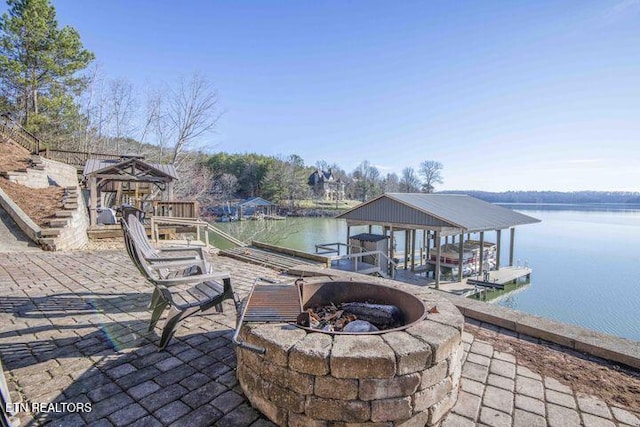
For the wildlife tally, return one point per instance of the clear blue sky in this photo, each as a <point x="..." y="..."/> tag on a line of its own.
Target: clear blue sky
<point x="508" y="95"/>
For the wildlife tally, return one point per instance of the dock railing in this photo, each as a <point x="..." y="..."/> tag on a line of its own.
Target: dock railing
<point x="334" y="248"/>
<point x="370" y="268"/>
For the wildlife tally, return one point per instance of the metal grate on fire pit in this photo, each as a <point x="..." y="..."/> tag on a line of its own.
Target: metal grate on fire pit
<point x="269" y="302"/>
<point x="273" y="303"/>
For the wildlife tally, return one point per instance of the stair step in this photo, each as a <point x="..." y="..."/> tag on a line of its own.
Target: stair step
<point x="47" y="241"/>
<point x="50" y="232"/>
<point x="14" y="174"/>
<point x="64" y="214"/>
<point x="57" y="222"/>
<point x="68" y="205"/>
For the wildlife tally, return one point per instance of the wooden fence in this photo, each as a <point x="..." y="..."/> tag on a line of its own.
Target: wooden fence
<point x="176" y="209"/>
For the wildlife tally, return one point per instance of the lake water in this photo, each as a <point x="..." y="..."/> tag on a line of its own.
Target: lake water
<point x="585" y="260"/>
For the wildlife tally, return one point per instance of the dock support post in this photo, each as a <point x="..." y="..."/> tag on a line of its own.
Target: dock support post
<point x="512" y="239"/>
<point x="480" y="268"/>
<point x="498" y="248"/>
<point x="348" y="240"/>
<point x="438" y="251"/>
<point x="460" y="257"/>
<point x="427" y="256"/>
<point x="406" y="249"/>
<point x="391" y="249"/>
<point x="413" y="250"/>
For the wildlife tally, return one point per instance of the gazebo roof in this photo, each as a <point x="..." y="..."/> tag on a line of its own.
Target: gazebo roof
<point x="255" y="201"/>
<point x="138" y="166"/>
<point x="444" y="212"/>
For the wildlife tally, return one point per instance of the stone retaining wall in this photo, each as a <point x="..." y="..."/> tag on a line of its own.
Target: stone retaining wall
<point x="26" y="224"/>
<point x="60" y="174"/>
<point x="68" y="230"/>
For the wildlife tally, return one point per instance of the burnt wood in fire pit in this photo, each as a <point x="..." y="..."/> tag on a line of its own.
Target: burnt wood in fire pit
<point x="383" y="316"/>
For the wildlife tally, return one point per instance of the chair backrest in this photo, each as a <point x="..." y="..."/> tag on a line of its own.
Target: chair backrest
<point x="139" y="235"/>
<point x="140" y="249"/>
<point x="133" y="250"/>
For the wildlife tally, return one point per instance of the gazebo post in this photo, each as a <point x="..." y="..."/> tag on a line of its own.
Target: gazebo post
<point x="460" y="257"/>
<point x="170" y="191"/>
<point x="438" y="250"/>
<point x="93" y="200"/>
<point x="498" y="236"/>
<point x="348" y="240"/>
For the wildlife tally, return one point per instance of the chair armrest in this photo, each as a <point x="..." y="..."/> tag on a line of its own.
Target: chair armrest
<point x="197" y="250"/>
<point x="177" y="258"/>
<point x="193" y="279"/>
<point x="181" y="249"/>
<point x="179" y="264"/>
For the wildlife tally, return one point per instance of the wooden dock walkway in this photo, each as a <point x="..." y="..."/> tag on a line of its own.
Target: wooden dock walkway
<point x="499" y="278"/>
<point x="266" y="258"/>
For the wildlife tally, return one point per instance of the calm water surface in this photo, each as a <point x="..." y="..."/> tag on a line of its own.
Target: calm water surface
<point x="586" y="261"/>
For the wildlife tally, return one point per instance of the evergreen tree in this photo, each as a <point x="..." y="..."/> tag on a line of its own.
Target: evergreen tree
<point x="39" y="65"/>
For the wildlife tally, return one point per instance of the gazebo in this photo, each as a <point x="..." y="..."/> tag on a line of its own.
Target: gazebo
<point x="254" y="205"/>
<point x="440" y="216"/>
<point x="130" y="178"/>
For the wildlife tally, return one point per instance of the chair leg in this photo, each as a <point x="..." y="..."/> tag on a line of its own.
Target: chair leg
<point x="155" y="298"/>
<point x="173" y="318"/>
<point x="157" y="312"/>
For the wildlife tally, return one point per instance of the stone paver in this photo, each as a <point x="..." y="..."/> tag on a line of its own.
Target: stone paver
<point x="594" y="421"/>
<point x="74" y="329"/>
<point x="593" y="405"/>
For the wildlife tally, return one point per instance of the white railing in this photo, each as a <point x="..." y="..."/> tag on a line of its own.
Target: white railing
<point x="334" y="248"/>
<point x="376" y="267"/>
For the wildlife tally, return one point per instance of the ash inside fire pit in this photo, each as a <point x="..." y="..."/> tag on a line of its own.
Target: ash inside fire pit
<point x="352" y="317"/>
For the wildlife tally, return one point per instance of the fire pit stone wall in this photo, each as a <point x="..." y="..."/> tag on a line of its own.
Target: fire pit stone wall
<point x="404" y="378"/>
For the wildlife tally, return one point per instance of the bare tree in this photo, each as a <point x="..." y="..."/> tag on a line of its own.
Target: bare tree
<point x="225" y="186"/>
<point x="391" y="183"/>
<point x="122" y="105"/>
<point x="410" y="183"/>
<point x="153" y="113"/>
<point x="195" y="178"/>
<point x="192" y="111"/>
<point x="367" y="181"/>
<point x="92" y="106"/>
<point x="431" y="172"/>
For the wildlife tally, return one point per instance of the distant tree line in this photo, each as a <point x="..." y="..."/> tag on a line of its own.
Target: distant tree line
<point x="573" y="197"/>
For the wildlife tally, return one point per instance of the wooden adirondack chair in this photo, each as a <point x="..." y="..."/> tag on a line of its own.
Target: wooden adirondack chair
<point x="185" y="284"/>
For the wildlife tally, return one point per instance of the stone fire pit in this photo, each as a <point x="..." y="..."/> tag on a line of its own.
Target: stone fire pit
<point x="407" y="376"/>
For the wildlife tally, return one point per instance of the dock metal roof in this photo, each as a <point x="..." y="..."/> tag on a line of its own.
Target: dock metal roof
<point x="435" y="212"/>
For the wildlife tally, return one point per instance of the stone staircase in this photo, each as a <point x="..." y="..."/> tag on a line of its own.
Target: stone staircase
<point x="33" y="176"/>
<point x="68" y="228"/>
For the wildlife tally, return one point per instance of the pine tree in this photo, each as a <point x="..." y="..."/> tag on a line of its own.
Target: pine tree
<point x="39" y="65"/>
